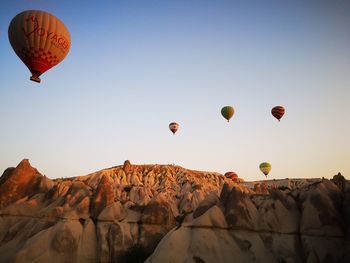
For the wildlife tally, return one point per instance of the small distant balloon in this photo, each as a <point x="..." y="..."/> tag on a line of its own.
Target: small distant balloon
<point x="174" y="127"/>
<point x="278" y="112"/>
<point x="227" y="112"/>
<point x="265" y="168"/>
<point x="232" y="175"/>
<point x="40" y="40"/>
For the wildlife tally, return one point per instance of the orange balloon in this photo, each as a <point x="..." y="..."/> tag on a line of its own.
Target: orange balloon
<point x="40" y="40"/>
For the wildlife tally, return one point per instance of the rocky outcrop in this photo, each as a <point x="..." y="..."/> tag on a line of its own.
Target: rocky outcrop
<point x="171" y="214"/>
<point x="278" y="224"/>
<point x="95" y="218"/>
<point x="21" y="182"/>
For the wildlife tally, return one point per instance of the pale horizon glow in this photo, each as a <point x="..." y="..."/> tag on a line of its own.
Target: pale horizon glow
<point x="136" y="66"/>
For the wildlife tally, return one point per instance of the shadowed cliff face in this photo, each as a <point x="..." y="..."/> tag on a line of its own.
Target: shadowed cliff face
<point x="173" y="215"/>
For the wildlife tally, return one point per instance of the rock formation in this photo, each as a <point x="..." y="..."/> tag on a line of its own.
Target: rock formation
<point x="170" y="214"/>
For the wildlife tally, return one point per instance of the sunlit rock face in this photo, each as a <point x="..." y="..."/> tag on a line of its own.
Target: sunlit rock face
<point x="165" y="213"/>
<point x="281" y="221"/>
<point x="95" y="218"/>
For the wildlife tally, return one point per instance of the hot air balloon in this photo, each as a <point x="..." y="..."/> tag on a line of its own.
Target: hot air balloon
<point x="265" y="168"/>
<point x="227" y="112"/>
<point x="174" y="127"/>
<point x="232" y="175"/>
<point x="40" y="40"/>
<point x="278" y="112"/>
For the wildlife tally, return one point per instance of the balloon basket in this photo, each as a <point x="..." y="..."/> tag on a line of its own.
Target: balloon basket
<point x="35" y="78"/>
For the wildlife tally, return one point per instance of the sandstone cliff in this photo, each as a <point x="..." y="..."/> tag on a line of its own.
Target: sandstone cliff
<point x="170" y="214"/>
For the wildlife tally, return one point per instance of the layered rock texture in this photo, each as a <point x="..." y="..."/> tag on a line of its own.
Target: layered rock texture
<point x="165" y="213"/>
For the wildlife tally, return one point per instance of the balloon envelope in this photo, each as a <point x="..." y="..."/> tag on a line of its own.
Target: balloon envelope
<point x="265" y="168"/>
<point x="174" y="127"/>
<point x="39" y="39"/>
<point x="227" y="112"/>
<point x="278" y="112"/>
<point x="232" y="175"/>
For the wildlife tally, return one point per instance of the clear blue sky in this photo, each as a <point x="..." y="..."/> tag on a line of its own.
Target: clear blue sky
<point x="136" y="66"/>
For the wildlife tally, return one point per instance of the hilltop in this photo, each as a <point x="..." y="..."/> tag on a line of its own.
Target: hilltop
<point x="167" y="213"/>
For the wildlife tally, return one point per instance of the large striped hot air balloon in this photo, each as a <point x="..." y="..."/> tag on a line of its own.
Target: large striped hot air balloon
<point x="40" y="40"/>
<point x="174" y="127"/>
<point x="265" y="168"/>
<point x="278" y="112"/>
<point x="227" y="112"/>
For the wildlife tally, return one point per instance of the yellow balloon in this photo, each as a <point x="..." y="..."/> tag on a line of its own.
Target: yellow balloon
<point x="227" y="112"/>
<point x="39" y="39"/>
<point x="265" y="168"/>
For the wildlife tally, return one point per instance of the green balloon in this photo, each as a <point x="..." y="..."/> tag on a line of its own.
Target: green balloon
<point x="265" y="168"/>
<point x="227" y="112"/>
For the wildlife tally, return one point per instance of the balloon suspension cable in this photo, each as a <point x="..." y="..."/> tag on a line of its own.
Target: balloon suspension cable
<point x="35" y="78"/>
